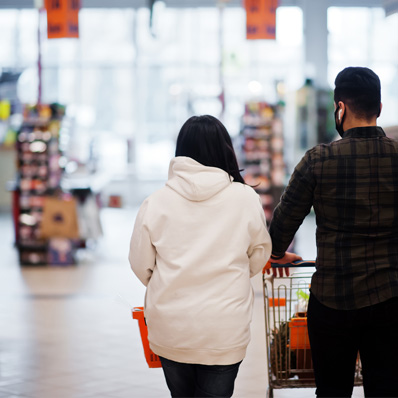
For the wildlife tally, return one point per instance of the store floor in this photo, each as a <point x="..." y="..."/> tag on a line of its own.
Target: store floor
<point x="67" y="332"/>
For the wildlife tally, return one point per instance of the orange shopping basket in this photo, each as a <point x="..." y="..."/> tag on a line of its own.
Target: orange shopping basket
<point x="152" y="359"/>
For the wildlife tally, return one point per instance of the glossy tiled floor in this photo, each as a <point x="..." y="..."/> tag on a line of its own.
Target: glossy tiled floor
<point x="67" y="332"/>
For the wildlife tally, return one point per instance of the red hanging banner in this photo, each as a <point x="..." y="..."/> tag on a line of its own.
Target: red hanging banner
<point x="62" y="18"/>
<point x="261" y="19"/>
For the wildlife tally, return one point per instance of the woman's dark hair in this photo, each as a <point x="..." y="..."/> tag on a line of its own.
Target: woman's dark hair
<point x="206" y="140"/>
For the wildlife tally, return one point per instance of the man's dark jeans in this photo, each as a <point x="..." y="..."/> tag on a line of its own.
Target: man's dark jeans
<point x="337" y="336"/>
<point x="189" y="380"/>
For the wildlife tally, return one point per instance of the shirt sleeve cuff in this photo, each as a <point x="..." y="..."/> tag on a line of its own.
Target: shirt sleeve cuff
<point x="276" y="257"/>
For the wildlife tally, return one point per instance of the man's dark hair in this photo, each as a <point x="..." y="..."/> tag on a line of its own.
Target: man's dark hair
<point x="359" y="87"/>
<point x="206" y="140"/>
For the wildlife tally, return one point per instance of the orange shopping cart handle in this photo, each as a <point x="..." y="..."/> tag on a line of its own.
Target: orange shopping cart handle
<point x="298" y="263"/>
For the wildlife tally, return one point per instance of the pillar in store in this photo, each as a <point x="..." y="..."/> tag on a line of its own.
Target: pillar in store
<point x="221" y="96"/>
<point x="315" y="16"/>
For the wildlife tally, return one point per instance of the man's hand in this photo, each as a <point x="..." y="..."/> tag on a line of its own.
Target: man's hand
<point x="286" y="259"/>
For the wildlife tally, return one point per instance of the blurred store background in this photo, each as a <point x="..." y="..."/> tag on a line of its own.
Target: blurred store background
<point x="89" y="123"/>
<point x="139" y="69"/>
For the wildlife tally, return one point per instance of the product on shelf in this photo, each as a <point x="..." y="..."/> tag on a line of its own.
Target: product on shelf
<point x="39" y="178"/>
<point x="60" y="251"/>
<point x="59" y="218"/>
<point x="262" y="153"/>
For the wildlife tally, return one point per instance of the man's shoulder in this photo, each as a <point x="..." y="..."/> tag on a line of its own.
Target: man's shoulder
<point x="348" y="147"/>
<point x="322" y="151"/>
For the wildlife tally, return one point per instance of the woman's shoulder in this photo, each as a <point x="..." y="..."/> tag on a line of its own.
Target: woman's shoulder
<point x="245" y="191"/>
<point x="154" y="198"/>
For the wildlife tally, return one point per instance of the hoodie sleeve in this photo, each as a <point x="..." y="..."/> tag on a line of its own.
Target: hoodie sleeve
<point x="142" y="255"/>
<point x="260" y="247"/>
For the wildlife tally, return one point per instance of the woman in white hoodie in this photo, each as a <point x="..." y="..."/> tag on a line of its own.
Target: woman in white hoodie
<point x="196" y="243"/>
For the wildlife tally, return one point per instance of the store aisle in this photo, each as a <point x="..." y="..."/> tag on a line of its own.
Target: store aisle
<point x="66" y="332"/>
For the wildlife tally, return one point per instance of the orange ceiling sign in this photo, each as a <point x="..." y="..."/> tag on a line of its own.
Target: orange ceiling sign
<point x="62" y="18"/>
<point x="260" y="19"/>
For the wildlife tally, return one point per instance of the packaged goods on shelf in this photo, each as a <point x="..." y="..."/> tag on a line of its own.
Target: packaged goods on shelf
<point x="60" y="251"/>
<point x="59" y="218"/>
<point x="262" y="152"/>
<point x="39" y="180"/>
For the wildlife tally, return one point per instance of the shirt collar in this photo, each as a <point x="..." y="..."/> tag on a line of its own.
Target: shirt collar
<point x="364" y="132"/>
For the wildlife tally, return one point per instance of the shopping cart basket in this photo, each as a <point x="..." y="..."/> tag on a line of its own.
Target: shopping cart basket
<point x="152" y="359"/>
<point x="288" y="346"/>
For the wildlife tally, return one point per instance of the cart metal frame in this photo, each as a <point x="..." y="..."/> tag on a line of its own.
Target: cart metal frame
<point x="288" y="349"/>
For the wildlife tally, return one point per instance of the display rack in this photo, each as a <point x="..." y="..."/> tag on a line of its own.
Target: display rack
<point x="38" y="175"/>
<point x="261" y="156"/>
<point x="315" y="122"/>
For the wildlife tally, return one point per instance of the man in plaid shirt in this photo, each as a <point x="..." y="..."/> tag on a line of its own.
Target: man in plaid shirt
<point x="352" y="184"/>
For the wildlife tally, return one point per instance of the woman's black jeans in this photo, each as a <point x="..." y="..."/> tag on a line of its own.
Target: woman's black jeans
<point x="191" y="380"/>
<point x="337" y="336"/>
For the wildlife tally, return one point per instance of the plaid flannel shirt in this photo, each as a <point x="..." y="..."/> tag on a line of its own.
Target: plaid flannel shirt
<point x="352" y="184"/>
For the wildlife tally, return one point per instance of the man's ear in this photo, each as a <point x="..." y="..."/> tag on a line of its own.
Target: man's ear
<point x="342" y="110"/>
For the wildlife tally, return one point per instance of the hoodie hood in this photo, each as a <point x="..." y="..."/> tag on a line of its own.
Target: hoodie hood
<point x="194" y="181"/>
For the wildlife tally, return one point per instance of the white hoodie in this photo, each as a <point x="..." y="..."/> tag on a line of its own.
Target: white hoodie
<point x="196" y="243"/>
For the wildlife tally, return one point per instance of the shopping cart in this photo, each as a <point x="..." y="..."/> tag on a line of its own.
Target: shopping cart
<point x="288" y="346"/>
